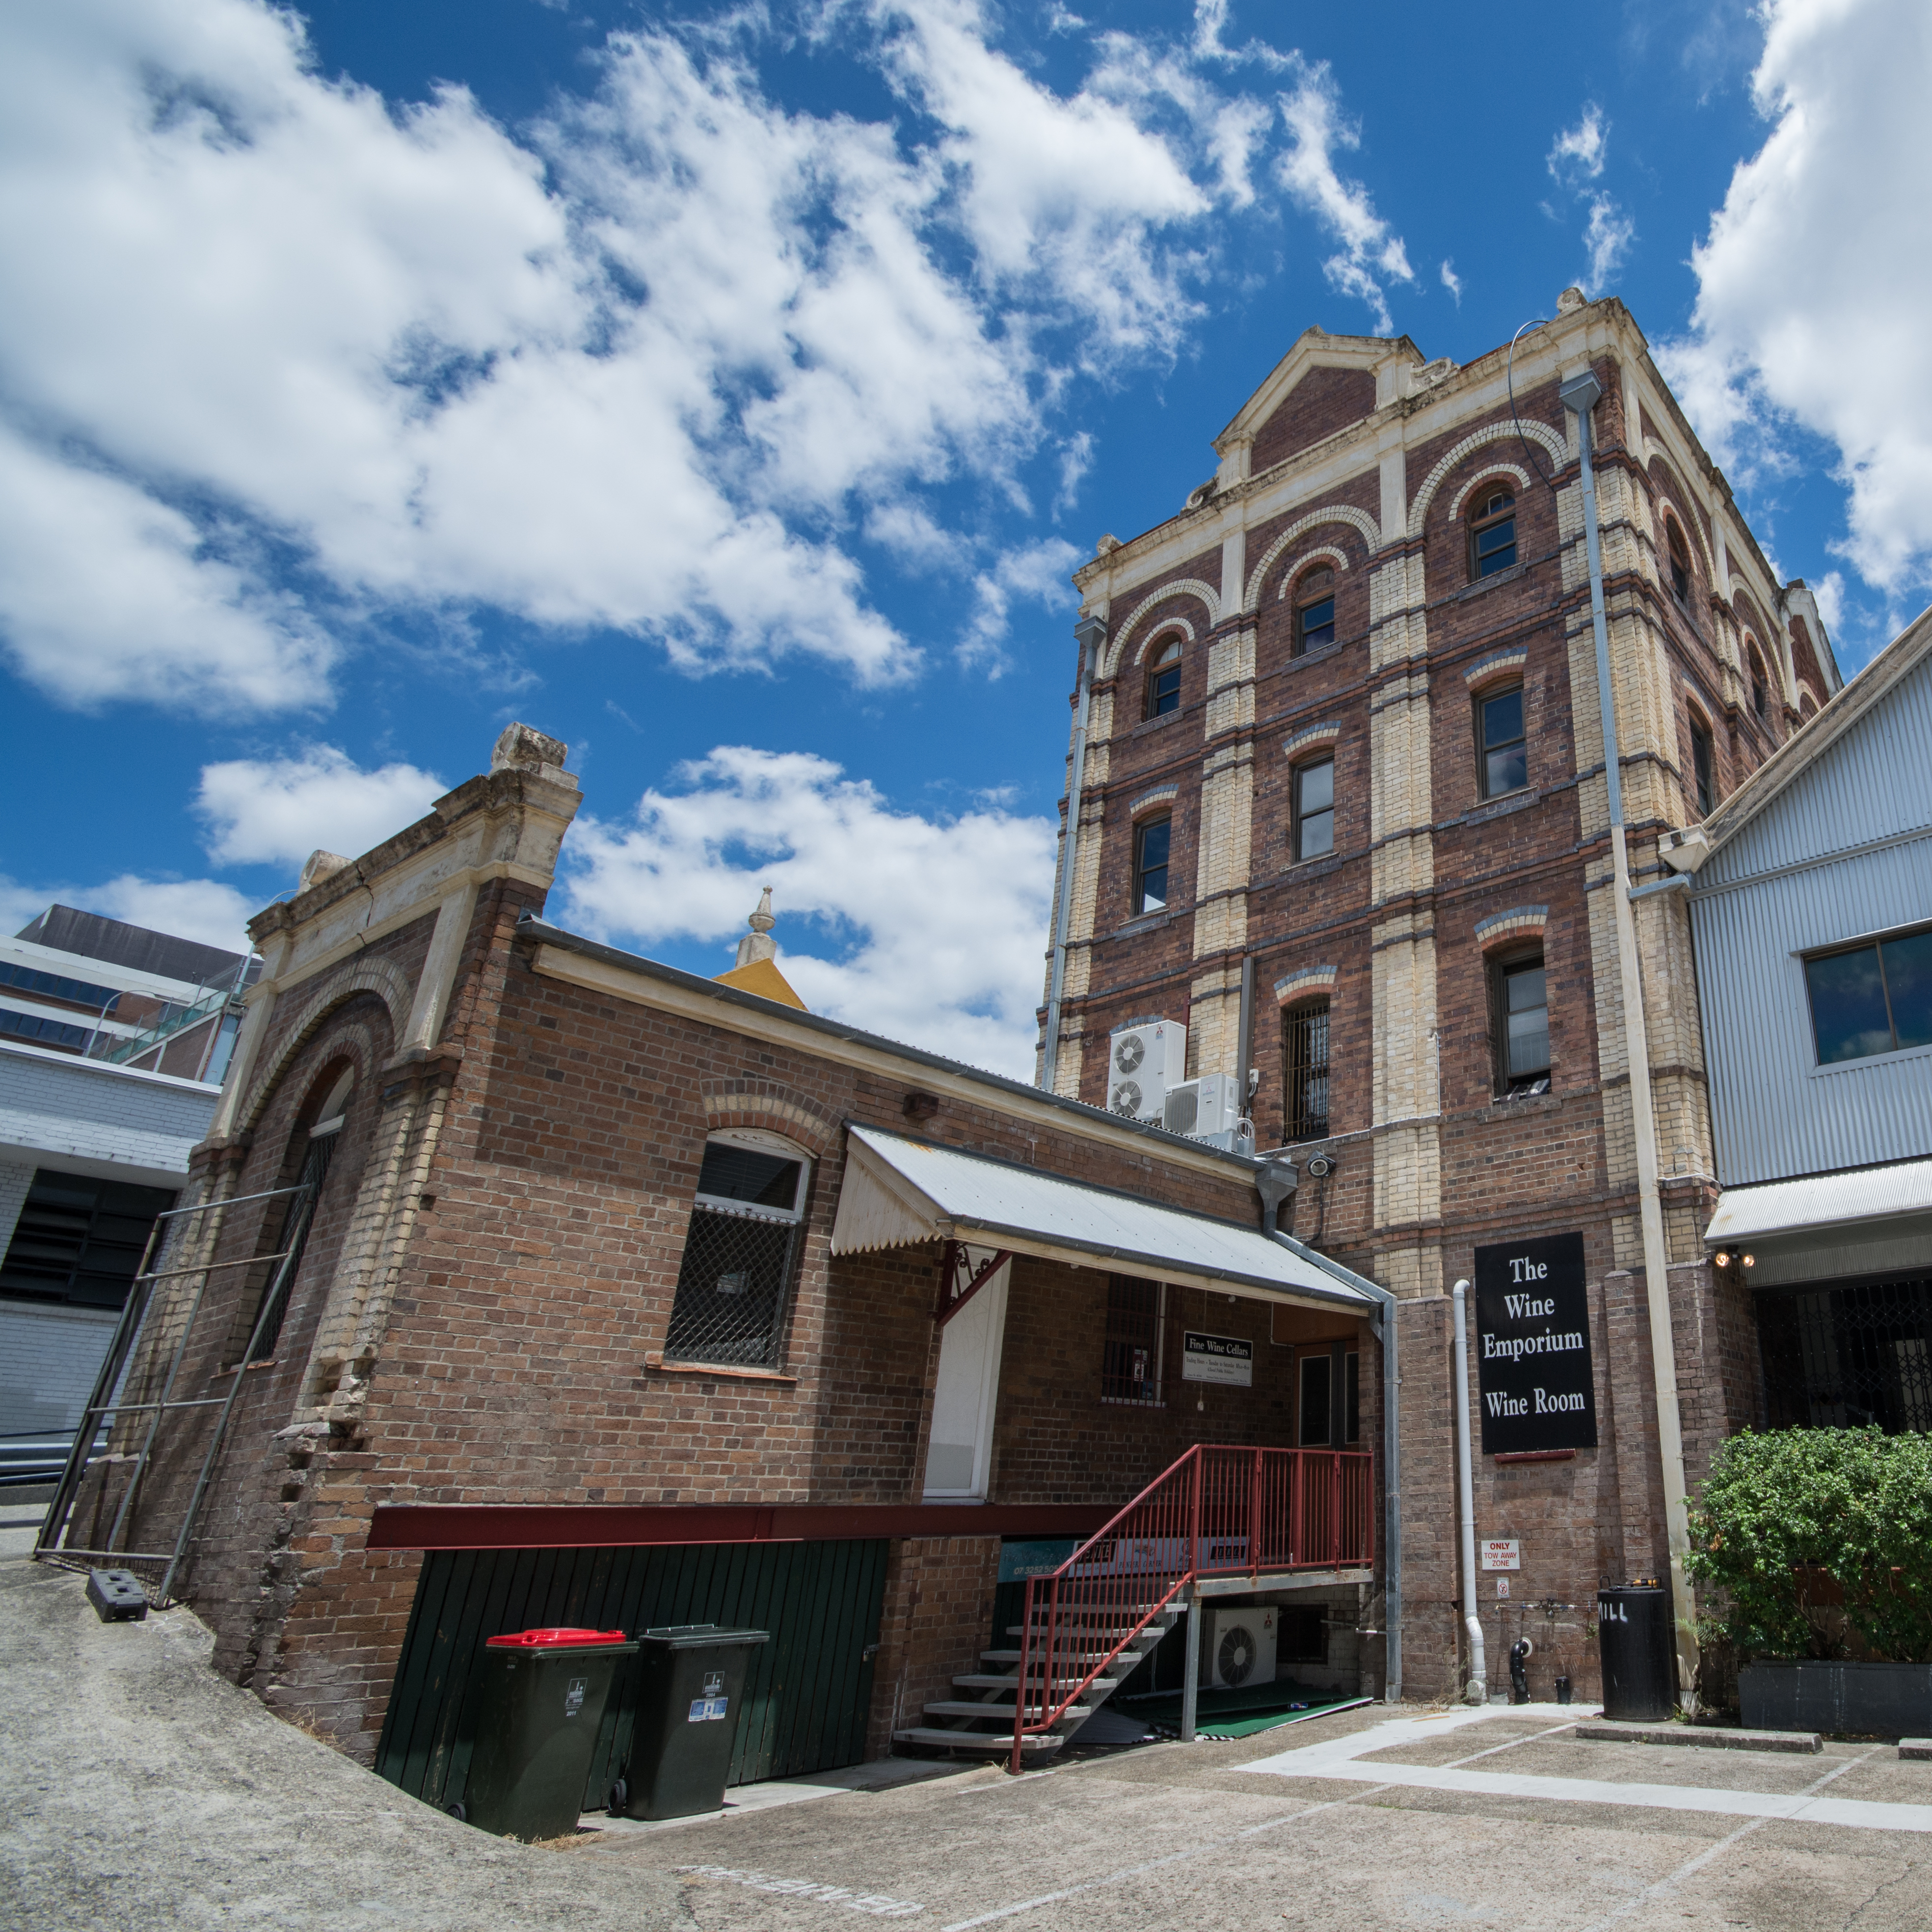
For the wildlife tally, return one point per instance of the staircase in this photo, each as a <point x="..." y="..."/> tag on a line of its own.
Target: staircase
<point x="1221" y="1518"/>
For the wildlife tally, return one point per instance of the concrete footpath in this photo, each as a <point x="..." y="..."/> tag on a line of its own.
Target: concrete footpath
<point x="137" y="1788"/>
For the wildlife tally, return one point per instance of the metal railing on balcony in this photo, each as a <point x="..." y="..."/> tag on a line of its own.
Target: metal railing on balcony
<point x="1218" y="1512"/>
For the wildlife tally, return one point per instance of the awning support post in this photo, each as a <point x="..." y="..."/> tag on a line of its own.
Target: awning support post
<point x="1190" y="1682"/>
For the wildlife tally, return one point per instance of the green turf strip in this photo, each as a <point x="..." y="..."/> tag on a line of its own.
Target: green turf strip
<point x="1239" y="1712"/>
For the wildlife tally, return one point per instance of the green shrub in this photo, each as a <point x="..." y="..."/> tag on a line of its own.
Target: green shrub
<point x="1853" y="1503"/>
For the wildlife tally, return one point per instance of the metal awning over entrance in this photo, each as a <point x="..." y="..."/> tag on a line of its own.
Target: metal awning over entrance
<point x="904" y="1193"/>
<point x="1817" y="1201"/>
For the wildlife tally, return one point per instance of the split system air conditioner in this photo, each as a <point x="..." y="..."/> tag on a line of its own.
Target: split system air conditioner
<point x="1145" y="1060"/>
<point x="1204" y="1108"/>
<point x="1240" y="1645"/>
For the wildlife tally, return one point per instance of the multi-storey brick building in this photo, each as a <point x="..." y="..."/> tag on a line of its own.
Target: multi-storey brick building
<point x="1338" y="737"/>
<point x="534" y="1283"/>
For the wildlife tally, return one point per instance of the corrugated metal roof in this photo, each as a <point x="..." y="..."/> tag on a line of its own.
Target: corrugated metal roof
<point x="900" y="1193"/>
<point x="1822" y="1200"/>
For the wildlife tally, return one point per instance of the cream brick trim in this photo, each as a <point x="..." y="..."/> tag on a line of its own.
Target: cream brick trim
<point x="1160" y="795"/>
<point x="1157" y="631"/>
<point x="1315" y="734"/>
<point x="1536" y="432"/>
<point x="1185" y="587"/>
<point x="1309" y="979"/>
<point x="1521" y="477"/>
<point x="733" y="1103"/>
<point x="1321" y="552"/>
<point x="390" y="985"/>
<point x="1332" y="513"/>
<point x="1496" y="660"/>
<point x="1502" y="926"/>
<point x="1680" y="501"/>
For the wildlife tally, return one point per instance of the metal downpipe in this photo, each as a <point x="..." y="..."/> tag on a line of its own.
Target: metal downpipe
<point x="1476" y="1691"/>
<point x="1092" y="634"/>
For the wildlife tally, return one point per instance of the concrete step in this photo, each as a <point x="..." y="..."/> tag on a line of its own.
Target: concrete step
<point x="989" y="1743"/>
<point x="964" y="1708"/>
<point x="983" y="1680"/>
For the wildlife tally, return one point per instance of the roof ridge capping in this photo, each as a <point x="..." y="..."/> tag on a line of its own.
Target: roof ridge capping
<point x="1851" y="703"/>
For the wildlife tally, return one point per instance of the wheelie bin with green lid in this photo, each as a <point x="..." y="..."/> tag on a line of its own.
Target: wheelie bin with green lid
<point x="540" y="1700"/>
<point x="692" y="1684"/>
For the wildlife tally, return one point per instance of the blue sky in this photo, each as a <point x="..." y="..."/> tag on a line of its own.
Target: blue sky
<point x="729" y="392"/>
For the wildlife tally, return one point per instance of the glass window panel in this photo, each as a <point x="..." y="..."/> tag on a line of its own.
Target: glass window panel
<point x="1317" y="785"/>
<point x="1151" y="892"/>
<point x="1502" y="718"/>
<point x="1495" y="547"/>
<point x="1318" y="624"/>
<point x="1508" y="771"/>
<point x="1525" y="1001"/>
<point x="1848" y="1012"/>
<point x="1908" y="979"/>
<point x="1318" y="835"/>
<point x="1163" y="691"/>
<point x="749" y="1173"/>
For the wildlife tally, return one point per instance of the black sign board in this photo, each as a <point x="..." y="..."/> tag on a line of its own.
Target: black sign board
<point x="1536" y="1390"/>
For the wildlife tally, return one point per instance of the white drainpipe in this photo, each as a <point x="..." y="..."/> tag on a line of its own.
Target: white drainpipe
<point x="1477" y="1690"/>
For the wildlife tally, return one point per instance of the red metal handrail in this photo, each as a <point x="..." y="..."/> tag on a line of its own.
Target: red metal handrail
<point x="1217" y="1512"/>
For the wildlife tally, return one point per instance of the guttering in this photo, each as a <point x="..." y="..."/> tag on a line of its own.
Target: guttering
<point x="1581" y="395"/>
<point x="1382" y="1325"/>
<point x="1477" y="1690"/>
<point x="1092" y="634"/>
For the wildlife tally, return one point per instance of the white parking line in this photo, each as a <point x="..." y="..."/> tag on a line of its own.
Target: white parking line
<point x="876" y="1904"/>
<point x="1337" y="1758"/>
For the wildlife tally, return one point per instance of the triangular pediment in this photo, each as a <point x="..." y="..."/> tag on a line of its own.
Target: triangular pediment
<point x="1316" y="349"/>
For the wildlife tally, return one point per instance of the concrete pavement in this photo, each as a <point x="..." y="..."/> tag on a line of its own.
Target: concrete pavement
<point x="137" y="1787"/>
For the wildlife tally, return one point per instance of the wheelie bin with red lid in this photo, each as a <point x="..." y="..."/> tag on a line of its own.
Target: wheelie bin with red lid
<point x="540" y="1699"/>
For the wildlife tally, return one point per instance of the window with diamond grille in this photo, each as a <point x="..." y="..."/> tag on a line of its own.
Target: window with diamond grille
<point x="1854" y="1355"/>
<point x="734" y="1286"/>
<point x="1130" y="1367"/>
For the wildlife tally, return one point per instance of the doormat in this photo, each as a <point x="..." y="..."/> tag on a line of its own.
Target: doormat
<point x="1240" y="1712"/>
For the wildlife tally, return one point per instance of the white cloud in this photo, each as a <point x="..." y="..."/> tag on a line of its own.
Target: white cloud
<point x="266" y="811"/>
<point x="105" y="591"/>
<point x="631" y="373"/>
<point x="1608" y="237"/>
<point x="1580" y="151"/>
<point x="1076" y="459"/>
<point x="1452" y="282"/>
<point x="1037" y="572"/>
<point x="925" y="930"/>
<point x="1371" y="253"/>
<point x="1815" y="279"/>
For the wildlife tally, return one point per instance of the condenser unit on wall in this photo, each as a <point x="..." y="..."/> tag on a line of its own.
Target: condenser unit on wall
<point x="1144" y="1060"/>
<point x="1240" y="1646"/>
<point x="1203" y="1108"/>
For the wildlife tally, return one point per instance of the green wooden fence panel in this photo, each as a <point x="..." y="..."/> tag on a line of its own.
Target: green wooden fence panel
<point x="807" y="1691"/>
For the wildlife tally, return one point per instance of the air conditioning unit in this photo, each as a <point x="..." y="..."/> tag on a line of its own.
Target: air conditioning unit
<point x="1202" y="1107"/>
<point x="1240" y="1646"/>
<point x="1144" y="1060"/>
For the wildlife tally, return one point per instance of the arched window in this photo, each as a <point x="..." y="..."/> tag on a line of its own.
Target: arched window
<point x="1519" y="1023"/>
<point x="258" y="1324"/>
<point x="1703" y="766"/>
<point x="1759" y="691"/>
<point x="1304" y="1065"/>
<point x="1163" y="681"/>
<point x="1315" y="610"/>
<point x="1492" y="531"/>
<point x="1502" y="743"/>
<point x="741" y="1252"/>
<point x="1679" y="558"/>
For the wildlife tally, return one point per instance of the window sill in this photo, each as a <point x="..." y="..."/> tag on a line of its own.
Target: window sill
<point x="1493" y="581"/>
<point x="1302" y="870"/>
<point x="244" y="1368"/>
<point x="1500" y="807"/>
<point x="1131" y="1402"/>
<point x="1503" y="1109"/>
<point x="1316" y="655"/>
<point x="654" y="1358"/>
<point x="1151" y="921"/>
<point x="1165" y="719"/>
<point x="1830" y="1068"/>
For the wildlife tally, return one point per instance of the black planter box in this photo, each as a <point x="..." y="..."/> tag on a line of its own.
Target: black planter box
<point x="1891" y="1700"/>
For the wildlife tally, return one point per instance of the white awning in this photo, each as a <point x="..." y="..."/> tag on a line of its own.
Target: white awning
<point x="901" y="1193"/>
<point x="1821" y="1201"/>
